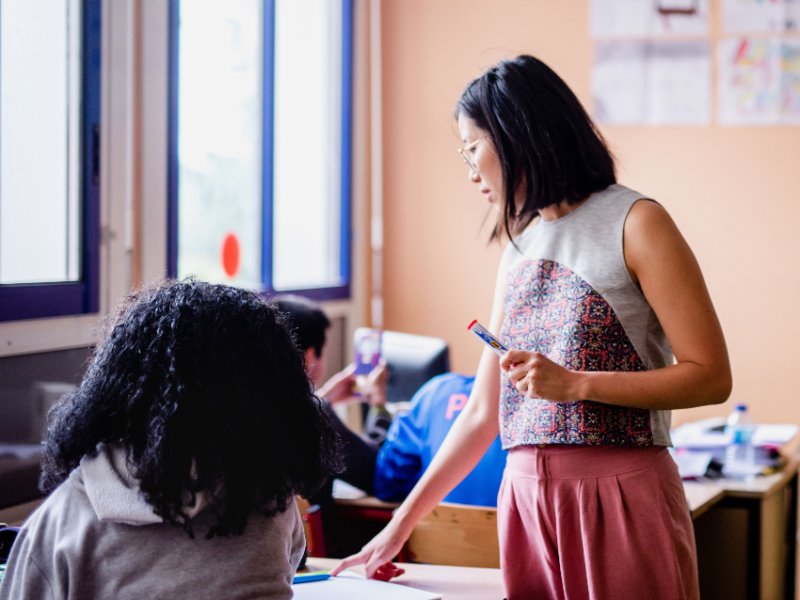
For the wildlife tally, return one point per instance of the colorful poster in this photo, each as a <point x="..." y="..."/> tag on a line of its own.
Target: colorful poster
<point x="743" y="16"/>
<point x="790" y="81"/>
<point x="749" y="86"/>
<point x="642" y="18"/>
<point x="652" y="83"/>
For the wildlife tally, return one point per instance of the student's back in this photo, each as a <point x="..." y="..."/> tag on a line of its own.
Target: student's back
<point x="67" y="551"/>
<point x="415" y="436"/>
<point x="173" y="469"/>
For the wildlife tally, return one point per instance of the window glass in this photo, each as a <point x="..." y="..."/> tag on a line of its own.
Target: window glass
<point x="40" y="108"/>
<point x="219" y="140"/>
<point x="307" y="144"/>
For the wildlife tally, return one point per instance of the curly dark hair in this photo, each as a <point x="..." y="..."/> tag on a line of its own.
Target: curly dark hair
<point x="203" y="387"/>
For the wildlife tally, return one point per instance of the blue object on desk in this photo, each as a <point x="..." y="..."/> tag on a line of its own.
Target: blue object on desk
<point x="315" y="576"/>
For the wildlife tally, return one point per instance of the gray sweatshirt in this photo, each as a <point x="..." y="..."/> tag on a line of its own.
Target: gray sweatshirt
<point x="96" y="537"/>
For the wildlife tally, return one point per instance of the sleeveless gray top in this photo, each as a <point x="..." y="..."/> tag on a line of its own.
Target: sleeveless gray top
<point x="571" y="298"/>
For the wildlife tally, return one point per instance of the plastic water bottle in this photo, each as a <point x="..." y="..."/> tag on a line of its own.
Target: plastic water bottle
<point x="740" y="454"/>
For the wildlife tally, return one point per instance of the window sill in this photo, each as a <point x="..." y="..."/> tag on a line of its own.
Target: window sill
<point x="45" y="335"/>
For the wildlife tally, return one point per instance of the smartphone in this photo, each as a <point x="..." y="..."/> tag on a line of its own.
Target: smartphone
<point x="367" y="344"/>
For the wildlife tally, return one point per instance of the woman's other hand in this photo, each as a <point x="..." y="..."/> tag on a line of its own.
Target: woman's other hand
<point x="373" y="390"/>
<point x="377" y="555"/>
<point x="343" y="387"/>
<point x="537" y="376"/>
<point x="339" y="388"/>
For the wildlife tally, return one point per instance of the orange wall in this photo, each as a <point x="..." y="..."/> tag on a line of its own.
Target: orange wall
<point x="732" y="191"/>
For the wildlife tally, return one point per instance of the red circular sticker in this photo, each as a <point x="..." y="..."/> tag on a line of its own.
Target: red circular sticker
<point x="230" y="255"/>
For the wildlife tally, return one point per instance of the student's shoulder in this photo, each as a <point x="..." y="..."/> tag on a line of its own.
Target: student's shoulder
<point x="441" y="387"/>
<point x="67" y="508"/>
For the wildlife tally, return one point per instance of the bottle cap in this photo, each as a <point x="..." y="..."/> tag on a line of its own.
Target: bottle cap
<point x="741" y="407"/>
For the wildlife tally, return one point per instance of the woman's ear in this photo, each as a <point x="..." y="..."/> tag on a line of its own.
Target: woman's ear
<point x="315" y="366"/>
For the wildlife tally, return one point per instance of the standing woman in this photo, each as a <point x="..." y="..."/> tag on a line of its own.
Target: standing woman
<point x="595" y="298"/>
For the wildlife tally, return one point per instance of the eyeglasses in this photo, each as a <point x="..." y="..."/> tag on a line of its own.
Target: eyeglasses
<point x="464" y="150"/>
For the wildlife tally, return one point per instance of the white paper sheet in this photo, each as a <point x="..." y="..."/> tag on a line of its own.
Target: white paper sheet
<point x="618" y="18"/>
<point x="641" y="18"/>
<point x="619" y="81"/>
<point x="350" y="586"/>
<point x="653" y="82"/>
<point x="691" y="464"/>
<point x="745" y="16"/>
<point x="793" y="15"/>
<point x="707" y="433"/>
<point x="773" y="434"/>
<point x="345" y="491"/>
<point x="700" y="434"/>
<point x="679" y="83"/>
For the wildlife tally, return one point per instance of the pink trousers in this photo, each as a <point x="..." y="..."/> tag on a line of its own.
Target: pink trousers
<point x="598" y="522"/>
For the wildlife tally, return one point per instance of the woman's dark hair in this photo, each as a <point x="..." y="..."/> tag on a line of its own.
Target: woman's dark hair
<point x="543" y="137"/>
<point x="203" y="387"/>
<point x="306" y="320"/>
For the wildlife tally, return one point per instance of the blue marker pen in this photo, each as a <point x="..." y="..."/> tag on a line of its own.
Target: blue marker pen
<point x="313" y="576"/>
<point x="487" y="338"/>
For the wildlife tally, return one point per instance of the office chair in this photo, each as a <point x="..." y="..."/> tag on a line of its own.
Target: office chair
<point x="412" y="360"/>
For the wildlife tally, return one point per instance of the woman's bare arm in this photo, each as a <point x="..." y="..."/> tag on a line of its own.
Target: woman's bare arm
<point x="471" y="435"/>
<point x="662" y="264"/>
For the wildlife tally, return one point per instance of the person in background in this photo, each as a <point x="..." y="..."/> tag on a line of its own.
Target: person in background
<point x="308" y="324"/>
<point x="173" y="470"/>
<point x="415" y="436"/>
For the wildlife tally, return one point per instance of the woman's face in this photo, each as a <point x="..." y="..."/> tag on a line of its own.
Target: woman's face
<point x="488" y="173"/>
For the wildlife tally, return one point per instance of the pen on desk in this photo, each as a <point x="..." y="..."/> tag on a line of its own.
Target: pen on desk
<point x="308" y="577"/>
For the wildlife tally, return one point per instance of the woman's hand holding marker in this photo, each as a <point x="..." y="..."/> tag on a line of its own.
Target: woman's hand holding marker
<point x="534" y="374"/>
<point x="537" y="376"/>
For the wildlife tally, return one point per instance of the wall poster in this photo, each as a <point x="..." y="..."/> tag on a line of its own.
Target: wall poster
<point x="652" y="82"/>
<point x="642" y="18"/>
<point x="759" y="81"/>
<point x="745" y="16"/>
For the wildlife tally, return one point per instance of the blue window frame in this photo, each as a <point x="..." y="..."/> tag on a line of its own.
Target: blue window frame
<point x="268" y="247"/>
<point x="32" y="299"/>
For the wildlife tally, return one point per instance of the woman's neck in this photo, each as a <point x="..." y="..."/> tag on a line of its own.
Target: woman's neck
<point x="557" y="211"/>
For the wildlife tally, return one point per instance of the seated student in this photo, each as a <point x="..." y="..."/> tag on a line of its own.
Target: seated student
<point x="415" y="437"/>
<point x="174" y="468"/>
<point x="308" y="324"/>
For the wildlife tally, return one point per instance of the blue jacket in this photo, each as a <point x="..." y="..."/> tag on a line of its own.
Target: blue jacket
<point x="415" y="436"/>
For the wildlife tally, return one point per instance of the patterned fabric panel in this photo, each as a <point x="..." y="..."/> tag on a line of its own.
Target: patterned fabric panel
<point x="551" y="310"/>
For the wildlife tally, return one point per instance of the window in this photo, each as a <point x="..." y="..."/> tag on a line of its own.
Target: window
<point x="260" y="144"/>
<point x="49" y="135"/>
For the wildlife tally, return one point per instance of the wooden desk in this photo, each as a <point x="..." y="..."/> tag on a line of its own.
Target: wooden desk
<point x="354" y="522"/>
<point x="702" y="496"/>
<point x="368" y="507"/>
<point x="453" y="583"/>
<point x="745" y="533"/>
<point x="746" y="544"/>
